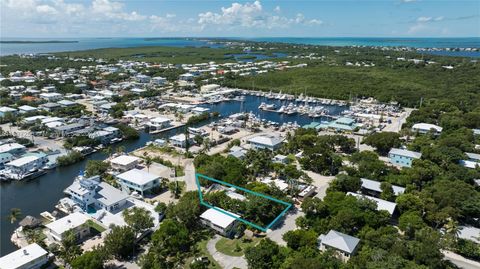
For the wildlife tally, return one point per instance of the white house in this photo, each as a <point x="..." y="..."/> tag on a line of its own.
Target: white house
<point x="159" y="123"/>
<point x="75" y="221"/>
<point x="209" y="87"/>
<point x="344" y="245"/>
<point x="20" y="167"/>
<point x="124" y="163"/>
<point x="138" y="180"/>
<point x="4" y="110"/>
<point x="180" y="140"/>
<point x="12" y="148"/>
<point x="32" y="256"/>
<point x="26" y="109"/>
<point x="423" y="128"/>
<point x="51" y="96"/>
<point x="142" y="78"/>
<point x="90" y="192"/>
<point x="222" y="223"/>
<point x="266" y="141"/>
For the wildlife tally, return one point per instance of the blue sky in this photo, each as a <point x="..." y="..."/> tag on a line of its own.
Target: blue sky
<point x="313" y="18"/>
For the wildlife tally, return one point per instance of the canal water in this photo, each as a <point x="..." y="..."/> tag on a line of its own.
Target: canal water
<point x="41" y="194"/>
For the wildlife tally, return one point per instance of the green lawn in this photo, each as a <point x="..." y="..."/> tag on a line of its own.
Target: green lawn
<point x="234" y="247"/>
<point x="202" y="251"/>
<point x="95" y="226"/>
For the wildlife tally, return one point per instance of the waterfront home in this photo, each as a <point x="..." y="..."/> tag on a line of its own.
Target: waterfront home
<point x="5" y="110"/>
<point x="51" y="96"/>
<point x="5" y="158"/>
<point x="75" y="222"/>
<point x="220" y="222"/>
<point x="26" y="109"/>
<point x="21" y="167"/>
<point x="372" y="187"/>
<point x="180" y="141"/>
<point x="159" y="123"/>
<point x="200" y="110"/>
<point x="69" y="129"/>
<point x="344" y="245"/>
<point x="159" y="81"/>
<point x="91" y="194"/>
<point x="266" y="141"/>
<point x="50" y="106"/>
<point x="106" y="135"/>
<point x="124" y="163"/>
<point x="13" y="148"/>
<point x="138" y="180"/>
<point x="424" y="128"/>
<point x="32" y="256"/>
<point x="403" y="157"/>
<point x="472" y="162"/>
<point x="388" y="206"/>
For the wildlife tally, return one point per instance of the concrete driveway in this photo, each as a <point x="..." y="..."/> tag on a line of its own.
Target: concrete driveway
<point x="225" y="261"/>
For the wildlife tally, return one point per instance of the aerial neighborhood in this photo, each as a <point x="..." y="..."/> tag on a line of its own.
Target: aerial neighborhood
<point x="155" y="164"/>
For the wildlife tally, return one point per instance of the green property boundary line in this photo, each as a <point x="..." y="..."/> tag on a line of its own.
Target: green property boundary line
<point x="264" y="229"/>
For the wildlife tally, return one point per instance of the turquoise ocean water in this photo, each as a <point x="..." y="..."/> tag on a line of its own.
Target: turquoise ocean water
<point x="96" y="43"/>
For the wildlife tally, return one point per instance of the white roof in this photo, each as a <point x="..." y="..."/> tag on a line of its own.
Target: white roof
<point x="179" y="138"/>
<point x="124" y="160"/>
<point x="219" y="218"/>
<point x="7" y="109"/>
<point x="22" y="256"/>
<point x="10" y="146"/>
<point x="375" y="186"/>
<point x="473" y="156"/>
<point x="406" y="153"/>
<point x="22" y="161"/>
<point x="381" y="204"/>
<point x="66" y="223"/>
<point x="27" y="108"/>
<point x="161" y="120"/>
<point x="137" y="176"/>
<point x="268" y="140"/>
<point x="427" y="127"/>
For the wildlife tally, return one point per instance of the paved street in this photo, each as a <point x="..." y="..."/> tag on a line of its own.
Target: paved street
<point x="225" y="261"/>
<point x="287" y="224"/>
<point x="190" y="175"/>
<point x="460" y="261"/>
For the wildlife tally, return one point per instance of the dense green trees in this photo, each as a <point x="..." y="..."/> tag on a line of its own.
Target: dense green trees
<point x="265" y="255"/>
<point x="120" y="242"/>
<point x="139" y="219"/>
<point x="93" y="259"/>
<point x="96" y="167"/>
<point x="383" y="141"/>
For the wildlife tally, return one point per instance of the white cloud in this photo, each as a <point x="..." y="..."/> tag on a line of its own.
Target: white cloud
<point x="251" y="15"/>
<point x="424" y="19"/>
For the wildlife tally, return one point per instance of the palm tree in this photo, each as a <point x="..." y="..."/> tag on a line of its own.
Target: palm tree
<point x="14" y="215"/>
<point x="148" y="162"/>
<point x="120" y="149"/>
<point x="452" y="229"/>
<point x="206" y="145"/>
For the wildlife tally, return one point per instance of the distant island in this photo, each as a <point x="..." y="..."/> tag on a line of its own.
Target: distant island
<point x="37" y="42"/>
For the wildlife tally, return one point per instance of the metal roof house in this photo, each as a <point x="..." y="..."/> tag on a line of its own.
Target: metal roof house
<point x="220" y="222"/>
<point x="390" y="207"/>
<point x="138" y="180"/>
<point x="372" y="187"/>
<point x="344" y="244"/>
<point x="424" y="128"/>
<point x="403" y="157"/>
<point x="266" y="141"/>
<point x="32" y="256"/>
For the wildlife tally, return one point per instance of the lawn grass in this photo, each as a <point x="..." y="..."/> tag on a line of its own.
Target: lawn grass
<point x="95" y="226"/>
<point x="203" y="251"/>
<point x="229" y="246"/>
